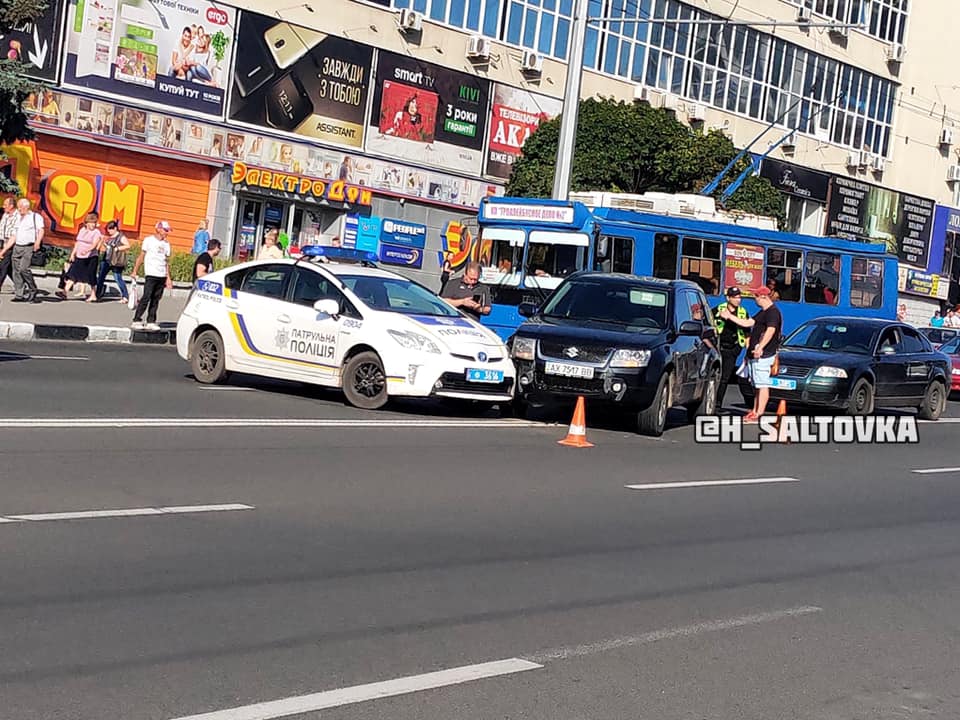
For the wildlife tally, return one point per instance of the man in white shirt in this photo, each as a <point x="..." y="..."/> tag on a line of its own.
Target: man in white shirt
<point x="26" y="238"/>
<point x="8" y="228"/>
<point x="154" y="256"/>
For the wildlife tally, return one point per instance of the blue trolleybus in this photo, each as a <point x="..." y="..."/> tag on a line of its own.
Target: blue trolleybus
<point x="530" y="246"/>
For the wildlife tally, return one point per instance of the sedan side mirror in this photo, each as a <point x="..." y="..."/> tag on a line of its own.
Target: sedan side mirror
<point x="527" y="309"/>
<point x="327" y="306"/>
<point x="888" y="350"/>
<point x="691" y="328"/>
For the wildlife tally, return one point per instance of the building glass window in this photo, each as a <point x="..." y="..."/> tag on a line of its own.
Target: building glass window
<point x="784" y="273"/>
<point x="866" y="283"/>
<point x="700" y="263"/>
<point x="822" y="279"/>
<point x="885" y="19"/>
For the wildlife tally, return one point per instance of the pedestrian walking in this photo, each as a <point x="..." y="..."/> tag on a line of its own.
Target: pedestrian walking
<point x="155" y="258"/>
<point x="200" y="238"/>
<point x="84" y="258"/>
<point x="732" y="338"/>
<point x="204" y="263"/>
<point x="8" y="228"/>
<point x="446" y="270"/>
<point x="116" y="251"/>
<point x="25" y="241"/>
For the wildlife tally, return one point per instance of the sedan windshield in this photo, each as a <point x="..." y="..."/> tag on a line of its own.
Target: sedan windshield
<point x="397" y="295"/>
<point x="833" y="337"/>
<point x="637" y="308"/>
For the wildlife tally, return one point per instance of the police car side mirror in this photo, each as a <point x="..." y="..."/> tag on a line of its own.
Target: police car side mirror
<point x="327" y="306"/>
<point x="527" y="309"/>
<point x="691" y="328"/>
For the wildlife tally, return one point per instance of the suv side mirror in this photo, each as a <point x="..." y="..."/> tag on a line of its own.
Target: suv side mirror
<point x="327" y="306"/>
<point x="691" y="328"/>
<point x="527" y="309"/>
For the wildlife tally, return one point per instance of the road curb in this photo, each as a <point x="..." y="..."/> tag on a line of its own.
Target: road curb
<point x="23" y="332"/>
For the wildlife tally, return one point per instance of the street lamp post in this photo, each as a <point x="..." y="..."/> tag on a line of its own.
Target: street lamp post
<point x="571" y="95"/>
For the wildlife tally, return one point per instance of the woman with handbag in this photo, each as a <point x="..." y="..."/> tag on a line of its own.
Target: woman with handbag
<point x="84" y="258"/>
<point x="116" y="250"/>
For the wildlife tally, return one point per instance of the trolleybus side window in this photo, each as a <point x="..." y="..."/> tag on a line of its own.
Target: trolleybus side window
<point x="700" y="263"/>
<point x="822" y="279"/>
<point x="665" y="256"/>
<point x="785" y="273"/>
<point x="866" y="288"/>
<point x="615" y="254"/>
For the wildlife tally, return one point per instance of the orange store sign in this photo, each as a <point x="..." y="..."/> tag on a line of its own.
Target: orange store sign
<point x="331" y="190"/>
<point x="66" y="196"/>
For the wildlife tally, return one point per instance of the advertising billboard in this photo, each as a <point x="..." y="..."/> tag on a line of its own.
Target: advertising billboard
<point x="515" y="116"/>
<point x="170" y="54"/>
<point x="299" y="81"/>
<point x="428" y="114"/>
<point x="36" y="44"/>
<point x="903" y="222"/>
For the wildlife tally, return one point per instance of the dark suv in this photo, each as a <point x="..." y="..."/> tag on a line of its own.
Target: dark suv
<point x="639" y="343"/>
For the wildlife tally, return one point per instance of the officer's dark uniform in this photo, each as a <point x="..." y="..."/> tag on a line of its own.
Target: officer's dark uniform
<point x="732" y="339"/>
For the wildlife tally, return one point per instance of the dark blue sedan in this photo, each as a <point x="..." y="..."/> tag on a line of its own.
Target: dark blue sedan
<point x="859" y="364"/>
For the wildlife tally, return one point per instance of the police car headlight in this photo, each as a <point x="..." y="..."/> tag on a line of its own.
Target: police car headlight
<point x="830" y="372"/>
<point x="414" y="341"/>
<point x="524" y="348"/>
<point x="630" y="359"/>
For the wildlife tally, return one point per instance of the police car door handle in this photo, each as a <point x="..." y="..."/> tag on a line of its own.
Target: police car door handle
<point x="283" y="318"/>
<point x="233" y="305"/>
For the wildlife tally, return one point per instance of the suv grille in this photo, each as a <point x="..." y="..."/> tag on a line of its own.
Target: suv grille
<point x="577" y="386"/>
<point x="585" y="353"/>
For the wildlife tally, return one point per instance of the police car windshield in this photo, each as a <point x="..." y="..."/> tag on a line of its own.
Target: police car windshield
<point x="637" y="308"/>
<point x="397" y="295"/>
<point x="833" y="337"/>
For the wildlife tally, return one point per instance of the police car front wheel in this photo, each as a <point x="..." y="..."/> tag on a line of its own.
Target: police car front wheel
<point x="207" y="359"/>
<point x="365" y="382"/>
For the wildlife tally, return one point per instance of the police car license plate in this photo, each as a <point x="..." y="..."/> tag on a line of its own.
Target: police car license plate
<point x="484" y="376"/>
<point x="567" y="370"/>
<point x="782" y="384"/>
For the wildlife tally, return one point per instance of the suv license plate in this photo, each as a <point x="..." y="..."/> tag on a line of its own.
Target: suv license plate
<point x="782" y="384"/>
<point x="567" y="370"/>
<point x="484" y="376"/>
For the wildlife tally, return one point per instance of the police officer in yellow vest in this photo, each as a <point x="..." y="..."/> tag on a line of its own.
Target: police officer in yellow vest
<point x="732" y="339"/>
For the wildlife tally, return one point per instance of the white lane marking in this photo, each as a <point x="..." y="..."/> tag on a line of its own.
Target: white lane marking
<point x="565" y="653"/>
<point x="224" y="388"/>
<point x="711" y="483"/>
<point x="373" y="691"/>
<point x="944" y="421"/>
<point x="126" y="512"/>
<point x="22" y="423"/>
<point x="937" y="471"/>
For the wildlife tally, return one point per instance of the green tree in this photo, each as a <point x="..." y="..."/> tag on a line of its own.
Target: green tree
<point x="15" y="86"/>
<point x="633" y="148"/>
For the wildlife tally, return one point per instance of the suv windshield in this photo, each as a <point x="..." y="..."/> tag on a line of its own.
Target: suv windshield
<point x="833" y="337"/>
<point x="638" y="308"/>
<point x="397" y="295"/>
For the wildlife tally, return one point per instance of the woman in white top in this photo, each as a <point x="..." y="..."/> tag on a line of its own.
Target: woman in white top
<point x="271" y="250"/>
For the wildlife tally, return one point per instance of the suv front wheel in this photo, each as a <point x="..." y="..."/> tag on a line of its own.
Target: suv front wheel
<point x="653" y="420"/>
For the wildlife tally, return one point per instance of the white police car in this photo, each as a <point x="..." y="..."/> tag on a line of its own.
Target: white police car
<point x="342" y="323"/>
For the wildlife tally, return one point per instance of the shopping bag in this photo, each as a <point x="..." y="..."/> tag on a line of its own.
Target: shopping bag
<point x="132" y="300"/>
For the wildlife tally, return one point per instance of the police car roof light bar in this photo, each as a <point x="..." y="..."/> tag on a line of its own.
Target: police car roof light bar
<point x="339" y="254"/>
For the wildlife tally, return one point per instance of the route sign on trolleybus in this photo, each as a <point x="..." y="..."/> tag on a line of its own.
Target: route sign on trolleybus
<point x="534" y="244"/>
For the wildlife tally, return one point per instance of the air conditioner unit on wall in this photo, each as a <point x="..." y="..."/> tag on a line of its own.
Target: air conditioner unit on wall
<point x="877" y="163"/>
<point x="478" y="48"/>
<point x="696" y="113"/>
<point x="839" y="31"/>
<point x="410" y="21"/>
<point x="671" y="101"/>
<point x="856" y="159"/>
<point x="896" y="53"/>
<point x="946" y="136"/>
<point x="804" y="14"/>
<point x="532" y="62"/>
<point x="953" y="173"/>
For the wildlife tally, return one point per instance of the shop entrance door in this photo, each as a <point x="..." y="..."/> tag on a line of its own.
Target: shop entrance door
<point x="253" y="220"/>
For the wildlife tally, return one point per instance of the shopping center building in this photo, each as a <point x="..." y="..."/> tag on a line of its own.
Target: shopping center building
<point x="385" y="122"/>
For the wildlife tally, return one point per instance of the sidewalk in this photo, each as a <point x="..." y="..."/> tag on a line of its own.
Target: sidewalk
<point x="74" y="319"/>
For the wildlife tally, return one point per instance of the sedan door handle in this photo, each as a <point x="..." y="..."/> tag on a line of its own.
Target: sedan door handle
<point x="283" y="319"/>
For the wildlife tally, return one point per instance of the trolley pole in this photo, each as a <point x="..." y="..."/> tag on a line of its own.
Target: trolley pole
<point x="571" y="102"/>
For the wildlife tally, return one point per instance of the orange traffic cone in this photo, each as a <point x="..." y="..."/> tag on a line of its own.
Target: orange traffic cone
<point x="781" y="411"/>
<point x="577" y="434"/>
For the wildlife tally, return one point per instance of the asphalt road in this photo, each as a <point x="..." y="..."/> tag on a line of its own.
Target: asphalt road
<point x="401" y="547"/>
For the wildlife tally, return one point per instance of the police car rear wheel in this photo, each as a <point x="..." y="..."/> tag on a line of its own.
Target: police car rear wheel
<point x="934" y="401"/>
<point x="365" y="382"/>
<point x="208" y="360"/>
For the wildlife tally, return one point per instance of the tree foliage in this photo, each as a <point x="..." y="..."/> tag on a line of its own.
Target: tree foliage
<point x="633" y="148"/>
<point x="15" y="86"/>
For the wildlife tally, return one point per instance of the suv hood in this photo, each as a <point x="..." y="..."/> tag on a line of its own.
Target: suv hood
<point x="587" y="331"/>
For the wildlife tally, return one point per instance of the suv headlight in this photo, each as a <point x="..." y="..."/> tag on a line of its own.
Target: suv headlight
<point x="830" y="372"/>
<point x="414" y="341"/>
<point x="523" y="348"/>
<point x="630" y="359"/>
